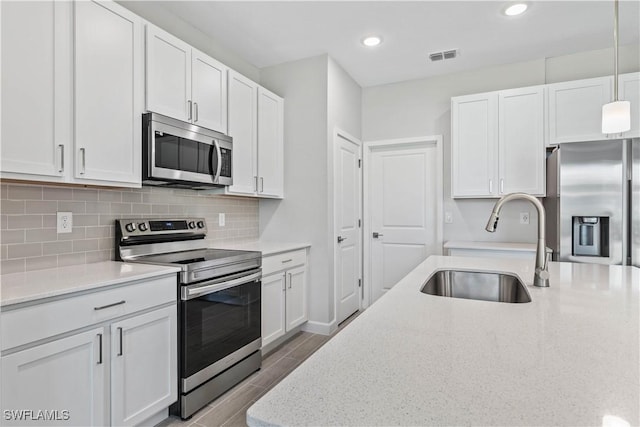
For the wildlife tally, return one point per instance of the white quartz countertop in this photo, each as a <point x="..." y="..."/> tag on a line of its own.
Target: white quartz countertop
<point x="267" y="248"/>
<point x="570" y="357"/>
<point x="18" y="288"/>
<point x="492" y="246"/>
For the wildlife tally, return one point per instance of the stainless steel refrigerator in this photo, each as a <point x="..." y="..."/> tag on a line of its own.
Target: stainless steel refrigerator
<point x="593" y="202"/>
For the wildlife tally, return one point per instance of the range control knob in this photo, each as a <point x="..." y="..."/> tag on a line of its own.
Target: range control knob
<point x="142" y="226"/>
<point x="200" y="224"/>
<point x="131" y="227"/>
<point x="192" y="224"/>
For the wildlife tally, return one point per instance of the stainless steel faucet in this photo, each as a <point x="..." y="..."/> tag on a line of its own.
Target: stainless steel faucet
<point x="541" y="276"/>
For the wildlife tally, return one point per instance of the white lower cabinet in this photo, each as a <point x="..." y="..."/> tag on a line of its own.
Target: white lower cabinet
<point x="284" y="294"/>
<point x="119" y="368"/>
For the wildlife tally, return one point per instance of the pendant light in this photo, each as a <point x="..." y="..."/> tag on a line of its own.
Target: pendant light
<point x="616" y="115"/>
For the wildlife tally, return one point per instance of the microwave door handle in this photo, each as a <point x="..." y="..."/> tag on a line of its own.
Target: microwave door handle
<point x="219" y="153"/>
<point x="196" y="291"/>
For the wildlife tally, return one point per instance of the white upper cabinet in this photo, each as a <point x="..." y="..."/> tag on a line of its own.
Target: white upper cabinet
<point x="36" y="89"/>
<point x="574" y="109"/>
<point x="497" y="143"/>
<point x="629" y="90"/>
<point x="474" y="145"/>
<point x="108" y="92"/>
<point x="185" y="83"/>
<point x="270" y="144"/>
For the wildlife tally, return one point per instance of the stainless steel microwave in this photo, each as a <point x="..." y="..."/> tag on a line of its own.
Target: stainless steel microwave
<point x="182" y="155"/>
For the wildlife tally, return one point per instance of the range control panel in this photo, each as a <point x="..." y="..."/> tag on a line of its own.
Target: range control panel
<point x="159" y="226"/>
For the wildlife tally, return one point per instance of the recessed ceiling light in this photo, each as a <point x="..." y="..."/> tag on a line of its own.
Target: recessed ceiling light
<point x="516" y="9"/>
<point x="371" y="41"/>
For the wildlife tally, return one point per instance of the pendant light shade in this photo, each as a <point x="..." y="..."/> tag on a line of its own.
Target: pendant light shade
<point x="616" y="115"/>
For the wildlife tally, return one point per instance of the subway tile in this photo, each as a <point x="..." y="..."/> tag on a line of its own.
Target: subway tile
<point x="4" y="252"/>
<point x="12" y="236"/>
<point x="12" y="266"/>
<point x="106" y="244"/>
<point x="41" y="207"/>
<point x="77" y="233"/>
<point x="22" y="192"/>
<point x="49" y="221"/>
<point x="97" y="232"/>
<point x="109" y="196"/>
<point x="57" y="193"/>
<point x="86" y="220"/>
<point x="98" y="256"/>
<point x="71" y="259"/>
<point x="121" y="208"/>
<point x="98" y="207"/>
<point x="4" y="222"/>
<point x="86" y="245"/>
<point x="55" y="248"/>
<point x="40" y="263"/>
<point x="141" y="209"/>
<point x="9" y="207"/>
<point x="24" y="221"/>
<point x="132" y="197"/>
<point x="4" y="190"/>
<point x="159" y="209"/>
<point x="24" y="250"/>
<point x="41" y="235"/>
<point x="108" y="219"/>
<point x="178" y="209"/>
<point x="74" y="207"/>
<point x="87" y="195"/>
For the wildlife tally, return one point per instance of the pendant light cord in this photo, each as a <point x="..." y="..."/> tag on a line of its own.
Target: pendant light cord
<point x="615" y="51"/>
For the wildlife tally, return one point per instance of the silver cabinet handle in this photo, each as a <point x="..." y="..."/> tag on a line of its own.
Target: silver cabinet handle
<point x="289" y="280"/>
<point x="491" y="186"/>
<point x="83" y="162"/>
<point x="287" y="260"/>
<point x="189" y="106"/>
<point x="121" y="350"/>
<point x="284" y="282"/>
<point x="256" y="182"/>
<point x="61" y="146"/>
<point x="262" y="184"/>
<point x="102" y="307"/>
<point x="99" y="349"/>
<point x="195" y="112"/>
<point x="501" y="185"/>
<point x="376" y="234"/>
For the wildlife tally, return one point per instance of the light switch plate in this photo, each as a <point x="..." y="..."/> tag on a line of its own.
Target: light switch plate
<point x="524" y="217"/>
<point x="221" y="219"/>
<point x="65" y="222"/>
<point x="448" y="218"/>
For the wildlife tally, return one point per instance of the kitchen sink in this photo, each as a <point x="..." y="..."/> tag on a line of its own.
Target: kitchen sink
<point x="485" y="286"/>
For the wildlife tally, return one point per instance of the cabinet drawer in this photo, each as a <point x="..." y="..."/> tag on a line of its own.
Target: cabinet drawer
<point x="39" y="321"/>
<point x="279" y="262"/>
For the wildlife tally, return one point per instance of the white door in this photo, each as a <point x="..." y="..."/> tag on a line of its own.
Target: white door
<point x="296" y="299"/>
<point x="108" y="60"/>
<point x="143" y="366"/>
<point x="209" y="92"/>
<point x="273" y="307"/>
<point x="36" y="83"/>
<point x="270" y="144"/>
<point x="404" y="192"/>
<point x="168" y="71"/>
<point x="243" y="96"/>
<point x="64" y="375"/>
<point x="348" y="197"/>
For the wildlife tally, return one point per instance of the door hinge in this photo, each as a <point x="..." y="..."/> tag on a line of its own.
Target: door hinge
<point x="359" y="283"/>
<point x="359" y="223"/>
<point x="359" y="163"/>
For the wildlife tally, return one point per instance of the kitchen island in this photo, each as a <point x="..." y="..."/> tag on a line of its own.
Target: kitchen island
<point x="570" y="357"/>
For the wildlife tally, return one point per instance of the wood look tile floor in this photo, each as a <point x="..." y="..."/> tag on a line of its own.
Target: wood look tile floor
<point x="230" y="409"/>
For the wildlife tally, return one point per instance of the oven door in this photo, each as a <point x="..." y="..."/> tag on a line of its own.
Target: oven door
<point x="220" y="325"/>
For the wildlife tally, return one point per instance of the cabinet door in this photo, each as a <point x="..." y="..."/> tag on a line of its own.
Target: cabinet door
<point x="296" y="297"/>
<point x="243" y="96"/>
<point x="168" y="71"/>
<point x="474" y="145"/>
<point x="629" y="90"/>
<point x="108" y="92"/>
<point x="209" y="92"/>
<point x="143" y="366"/>
<point x="273" y="307"/>
<point x="270" y="144"/>
<point x="521" y="141"/>
<point x="575" y="109"/>
<point x="64" y="375"/>
<point x="36" y="87"/>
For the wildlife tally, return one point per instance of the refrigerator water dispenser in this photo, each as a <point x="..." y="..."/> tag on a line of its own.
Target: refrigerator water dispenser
<point x="591" y="236"/>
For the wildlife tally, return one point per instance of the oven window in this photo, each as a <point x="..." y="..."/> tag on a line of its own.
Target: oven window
<point x="173" y="152"/>
<point x="217" y="324"/>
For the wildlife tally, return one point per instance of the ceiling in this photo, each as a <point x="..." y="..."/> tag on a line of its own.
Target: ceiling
<point x="267" y="33"/>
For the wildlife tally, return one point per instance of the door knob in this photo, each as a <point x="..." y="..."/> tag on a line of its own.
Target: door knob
<point x="376" y="234"/>
<point x="340" y="239"/>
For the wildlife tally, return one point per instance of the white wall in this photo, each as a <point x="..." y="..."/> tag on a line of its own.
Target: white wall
<point x="302" y="215"/>
<point x="422" y="107"/>
<point x="153" y="12"/>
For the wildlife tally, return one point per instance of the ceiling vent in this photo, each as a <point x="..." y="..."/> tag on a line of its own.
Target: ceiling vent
<point x="447" y="54"/>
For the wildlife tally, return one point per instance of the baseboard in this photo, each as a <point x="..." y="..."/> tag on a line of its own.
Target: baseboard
<point x="320" y="327"/>
<point x="156" y="419"/>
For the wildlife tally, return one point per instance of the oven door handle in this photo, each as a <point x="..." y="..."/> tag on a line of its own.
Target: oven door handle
<point x="189" y="292"/>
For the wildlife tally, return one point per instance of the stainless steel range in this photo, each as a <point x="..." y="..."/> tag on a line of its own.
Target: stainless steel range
<point x="219" y="304"/>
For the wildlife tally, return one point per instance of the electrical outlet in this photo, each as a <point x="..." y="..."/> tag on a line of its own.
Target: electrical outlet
<point x="65" y="222"/>
<point x="524" y="217"/>
<point x="448" y="218"/>
<point x="221" y="219"/>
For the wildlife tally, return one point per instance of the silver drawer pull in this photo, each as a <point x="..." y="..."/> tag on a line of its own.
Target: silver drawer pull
<point x="287" y="260"/>
<point x="109" y="305"/>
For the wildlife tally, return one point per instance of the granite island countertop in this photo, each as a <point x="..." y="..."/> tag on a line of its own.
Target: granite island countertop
<point x="570" y="357"/>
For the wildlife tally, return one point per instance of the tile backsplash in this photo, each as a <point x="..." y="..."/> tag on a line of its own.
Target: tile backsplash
<point x="29" y="240"/>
